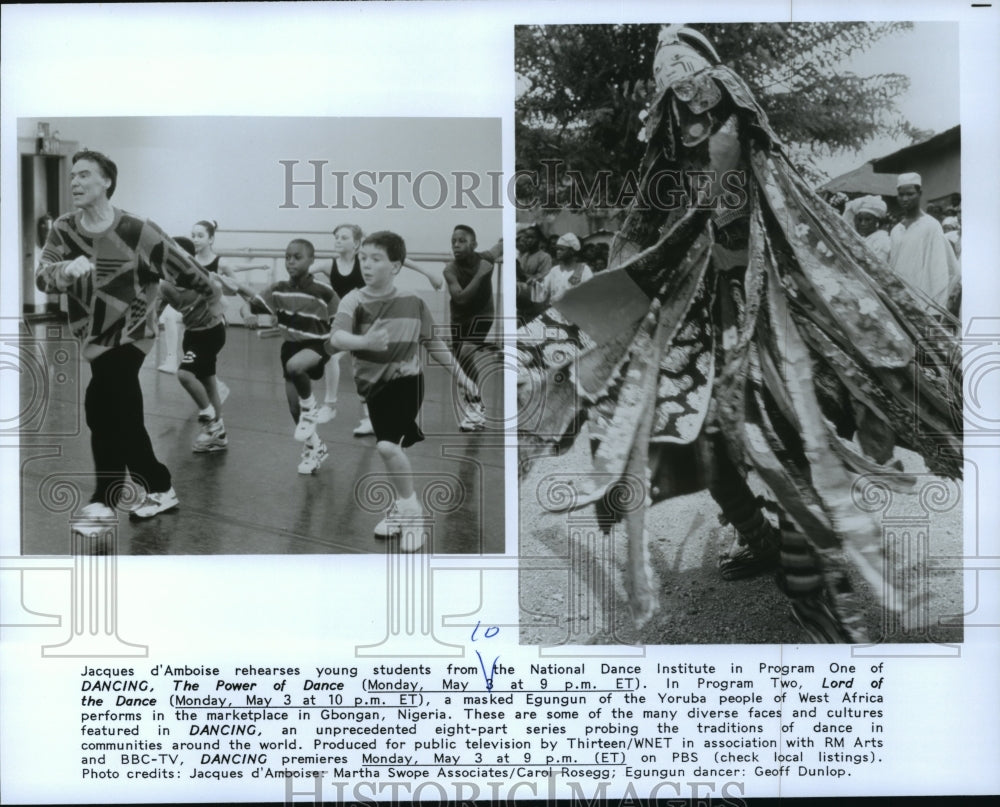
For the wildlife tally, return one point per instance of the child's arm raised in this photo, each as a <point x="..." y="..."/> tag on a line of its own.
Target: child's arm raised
<point x="322" y="266"/>
<point x="259" y="303"/>
<point x="229" y="282"/>
<point x="230" y="286"/>
<point x="434" y="280"/>
<point x="494" y="253"/>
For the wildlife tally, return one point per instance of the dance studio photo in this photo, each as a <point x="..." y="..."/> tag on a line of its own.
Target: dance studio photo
<point x="260" y="335"/>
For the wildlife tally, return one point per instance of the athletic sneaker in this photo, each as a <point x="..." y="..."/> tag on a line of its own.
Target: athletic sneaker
<point x="408" y="514"/>
<point x="411" y="539"/>
<point x="306" y="427"/>
<point x="156" y="503"/>
<point x="312" y="458"/>
<point x="204" y="421"/>
<point x="212" y="437"/>
<point x="97" y="511"/>
<point x="223" y="389"/>
<point x="474" y="419"/>
<point x="364" y="428"/>
<point x="326" y="413"/>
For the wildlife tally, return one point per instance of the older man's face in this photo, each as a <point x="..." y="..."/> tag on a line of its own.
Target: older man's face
<point x="87" y="184"/>
<point x="908" y="197"/>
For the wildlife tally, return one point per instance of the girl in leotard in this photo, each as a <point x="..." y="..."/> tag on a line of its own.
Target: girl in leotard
<point x="203" y="236"/>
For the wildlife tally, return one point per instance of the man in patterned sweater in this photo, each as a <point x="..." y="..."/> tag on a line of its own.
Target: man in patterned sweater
<point x="109" y="263"/>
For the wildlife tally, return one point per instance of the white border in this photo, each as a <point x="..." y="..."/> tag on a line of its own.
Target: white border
<point x="426" y="59"/>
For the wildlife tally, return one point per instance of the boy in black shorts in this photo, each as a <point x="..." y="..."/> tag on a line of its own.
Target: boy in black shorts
<point x="384" y="329"/>
<point x="302" y="308"/>
<point x="470" y="286"/>
<point x="204" y="337"/>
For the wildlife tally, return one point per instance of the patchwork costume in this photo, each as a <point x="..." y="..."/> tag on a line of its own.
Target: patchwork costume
<point x="717" y="342"/>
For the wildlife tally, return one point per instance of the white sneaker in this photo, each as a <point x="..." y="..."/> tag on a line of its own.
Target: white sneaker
<point x="306" y="427"/>
<point x="155" y="504"/>
<point x="364" y="428"/>
<point x="326" y="413"/>
<point x="212" y="437"/>
<point x="389" y="525"/>
<point x="223" y="389"/>
<point x="97" y="511"/>
<point x="404" y="520"/>
<point x="411" y="539"/>
<point x="312" y="458"/>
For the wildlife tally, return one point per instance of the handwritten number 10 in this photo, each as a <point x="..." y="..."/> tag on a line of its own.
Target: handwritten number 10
<point x="489" y="633"/>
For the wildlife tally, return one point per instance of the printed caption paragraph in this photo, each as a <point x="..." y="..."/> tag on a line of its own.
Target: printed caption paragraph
<point x="639" y="721"/>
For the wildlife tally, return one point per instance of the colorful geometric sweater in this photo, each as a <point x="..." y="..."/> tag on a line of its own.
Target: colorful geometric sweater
<point x="114" y="304"/>
<point x="303" y="308"/>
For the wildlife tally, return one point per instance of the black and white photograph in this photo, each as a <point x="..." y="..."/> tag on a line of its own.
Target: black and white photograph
<point x="740" y="377"/>
<point x="484" y="402"/>
<point x="181" y="283"/>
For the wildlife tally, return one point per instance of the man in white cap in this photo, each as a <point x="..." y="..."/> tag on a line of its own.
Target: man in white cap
<point x="918" y="251"/>
<point x="864" y="214"/>
<point x="569" y="271"/>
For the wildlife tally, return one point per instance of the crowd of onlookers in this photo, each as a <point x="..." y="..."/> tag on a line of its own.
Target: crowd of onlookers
<point x="949" y="216"/>
<point x="921" y="245"/>
<point x="550" y="264"/>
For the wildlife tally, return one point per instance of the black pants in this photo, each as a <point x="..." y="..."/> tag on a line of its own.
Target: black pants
<point x="731" y="492"/>
<point x="118" y="438"/>
<point x="468" y="339"/>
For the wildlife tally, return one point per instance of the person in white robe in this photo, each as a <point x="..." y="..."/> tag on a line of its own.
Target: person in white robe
<point x="918" y="251"/>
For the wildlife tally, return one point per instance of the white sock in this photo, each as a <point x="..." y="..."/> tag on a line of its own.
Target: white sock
<point x="307" y="403"/>
<point x="312" y="441"/>
<point x="208" y="411"/>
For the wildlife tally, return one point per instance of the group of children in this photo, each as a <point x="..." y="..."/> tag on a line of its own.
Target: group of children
<point x="355" y="308"/>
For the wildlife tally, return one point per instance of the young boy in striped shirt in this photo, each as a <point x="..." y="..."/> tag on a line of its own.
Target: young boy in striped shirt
<point x="384" y="329"/>
<point x="302" y="308"/>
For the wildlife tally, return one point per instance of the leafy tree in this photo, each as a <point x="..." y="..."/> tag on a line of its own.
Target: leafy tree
<point x="582" y="89"/>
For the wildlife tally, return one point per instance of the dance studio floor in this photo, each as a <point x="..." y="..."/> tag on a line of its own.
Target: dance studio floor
<point x="250" y="499"/>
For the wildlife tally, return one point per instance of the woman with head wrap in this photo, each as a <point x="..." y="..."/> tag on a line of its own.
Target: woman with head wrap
<point x="704" y="350"/>
<point x="864" y="215"/>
